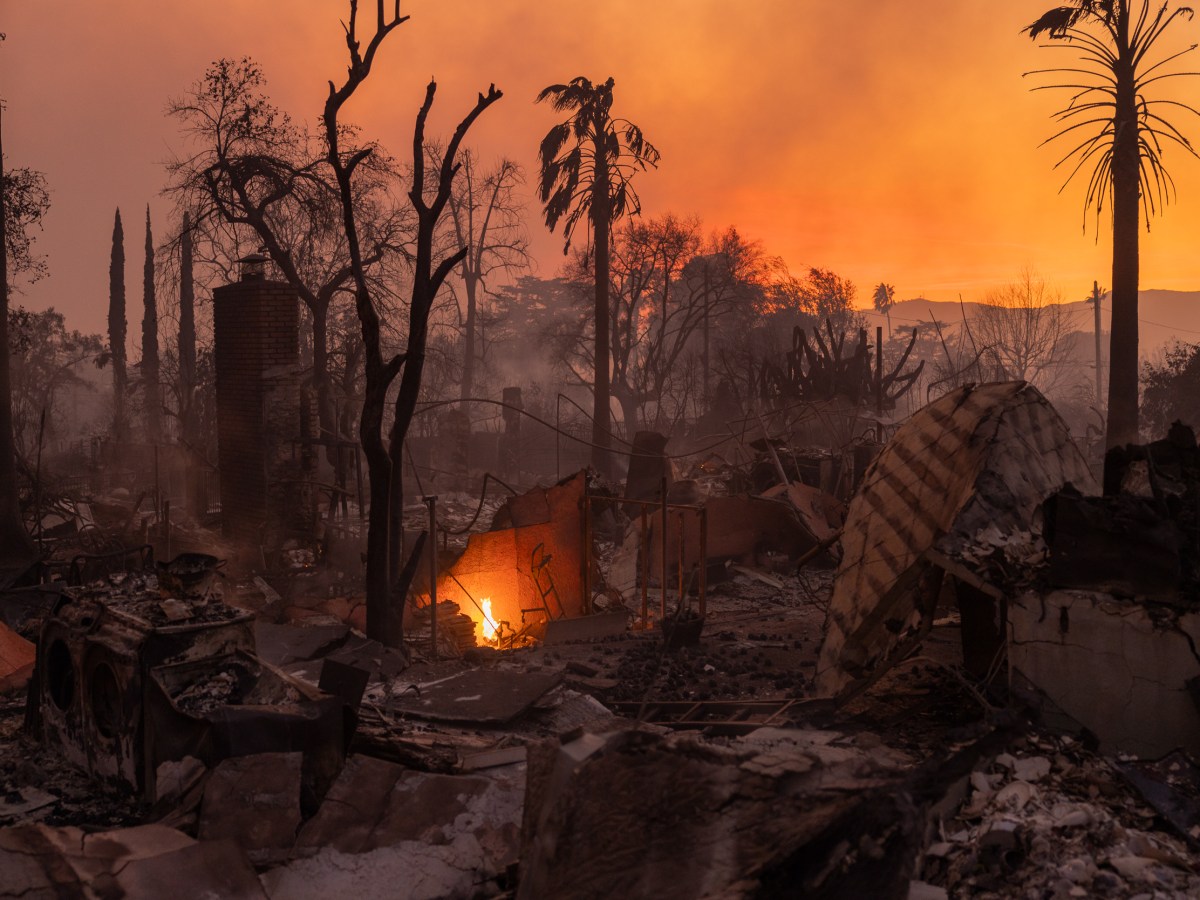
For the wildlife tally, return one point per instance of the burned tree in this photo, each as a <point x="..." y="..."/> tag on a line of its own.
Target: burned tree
<point x="384" y="456"/>
<point x="265" y="179"/>
<point x="187" y="334"/>
<point x="486" y="218"/>
<point x="822" y="370"/>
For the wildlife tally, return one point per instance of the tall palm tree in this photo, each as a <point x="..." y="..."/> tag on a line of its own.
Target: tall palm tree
<point x="885" y="296"/>
<point x="587" y="165"/>
<point x="1120" y="134"/>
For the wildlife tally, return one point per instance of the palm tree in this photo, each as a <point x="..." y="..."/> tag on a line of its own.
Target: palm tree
<point x="885" y="296"/>
<point x="1121" y="135"/>
<point x="587" y="164"/>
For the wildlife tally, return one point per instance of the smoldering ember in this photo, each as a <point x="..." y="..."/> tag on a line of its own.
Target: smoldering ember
<point x="374" y="564"/>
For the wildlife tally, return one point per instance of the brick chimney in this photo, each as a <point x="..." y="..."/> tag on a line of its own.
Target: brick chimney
<point x="257" y="361"/>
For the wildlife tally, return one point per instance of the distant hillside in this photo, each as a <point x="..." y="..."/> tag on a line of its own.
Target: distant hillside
<point x="1165" y="316"/>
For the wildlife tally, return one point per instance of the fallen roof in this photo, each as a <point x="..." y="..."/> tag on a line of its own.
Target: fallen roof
<point x="982" y="456"/>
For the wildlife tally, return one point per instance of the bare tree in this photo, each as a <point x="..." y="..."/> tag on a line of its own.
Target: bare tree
<point x="1021" y="331"/>
<point x="252" y="168"/>
<point x="384" y="457"/>
<point x="487" y="219"/>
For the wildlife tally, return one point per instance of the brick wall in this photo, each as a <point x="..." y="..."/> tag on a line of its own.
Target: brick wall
<point x="256" y="357"/>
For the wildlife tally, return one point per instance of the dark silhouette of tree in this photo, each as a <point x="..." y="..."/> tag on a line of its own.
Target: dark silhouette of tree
<point x="15" y="545"/>
<point x="587" y="166"/>
<point x="1023" y="332"/>
<point x="116" y="326"/>
<point x="1116" y="130"/>
<point x="1172" y="388"/>
<point x="486" y="217"/>
<point x="260" y="174"/>
<point x="187" y="334"/>
<point x="384" y="458"/>
<point x="44" y="360"/>
<point x="885" y="296"/>
<point x="150" y="363"/>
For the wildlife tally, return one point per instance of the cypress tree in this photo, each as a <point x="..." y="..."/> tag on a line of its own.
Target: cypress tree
<point x="116" y="326"/>
<point x="150" y="343"/>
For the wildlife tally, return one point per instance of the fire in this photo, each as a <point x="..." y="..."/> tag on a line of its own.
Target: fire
<point x="489" y="623"/>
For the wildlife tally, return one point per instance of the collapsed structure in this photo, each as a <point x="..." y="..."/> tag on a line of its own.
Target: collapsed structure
<point x="608" y="676"/>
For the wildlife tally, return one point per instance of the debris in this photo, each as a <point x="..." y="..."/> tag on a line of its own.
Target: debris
<point x="791" y="813"/>
<point x="478" y="695"/>
<point x="255" y="800"/>
<point x="147" y="861"/>
<point x="586" y="628"/>
<point x="382" y="826"/>
<point x="17" y="657"/>
<point x="499" y="565"/>
<point x="768" y="580"/>
<point x="980" y="458"/>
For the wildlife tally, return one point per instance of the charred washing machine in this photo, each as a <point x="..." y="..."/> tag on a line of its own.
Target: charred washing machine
<point x="137" y="671"/>
<point x="97" y="650"/>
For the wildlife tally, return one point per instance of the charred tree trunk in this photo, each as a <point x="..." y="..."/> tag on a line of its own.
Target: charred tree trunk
<point x="471" y="287"/>
<point x="187" y="336"/>
<point x="601" y="213"/>
<point x="384" y="612"/>
<point x="15" y="545"/>
<point x="116" y="326"/>
<point x="1123" y="347"/>
<point x="150" y="366"/>
<point x="189" y="423"/>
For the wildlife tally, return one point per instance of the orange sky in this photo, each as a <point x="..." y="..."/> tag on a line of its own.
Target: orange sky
<point x="858" y="135"/>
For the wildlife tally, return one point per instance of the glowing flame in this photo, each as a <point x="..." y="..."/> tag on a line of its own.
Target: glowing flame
<point x="489" y="624"/>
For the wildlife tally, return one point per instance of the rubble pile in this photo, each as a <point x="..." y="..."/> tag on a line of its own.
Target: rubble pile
<point x="697" y="687"/>
<point x="1050" y="819"/>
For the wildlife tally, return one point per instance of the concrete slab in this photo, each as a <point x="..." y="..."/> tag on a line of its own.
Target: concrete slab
<point x="281" y="645"/>
<point x="256" y="801"/>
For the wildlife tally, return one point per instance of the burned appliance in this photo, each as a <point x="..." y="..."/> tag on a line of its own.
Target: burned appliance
<point x="105" y="654"/>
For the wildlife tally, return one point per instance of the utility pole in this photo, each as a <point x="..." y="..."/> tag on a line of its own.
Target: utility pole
<point x="1095" y="301"/>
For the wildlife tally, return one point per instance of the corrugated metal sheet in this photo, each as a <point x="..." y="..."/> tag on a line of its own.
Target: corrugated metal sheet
<point x="980" y="456"/>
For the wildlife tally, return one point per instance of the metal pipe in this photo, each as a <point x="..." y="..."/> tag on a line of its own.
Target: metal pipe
<point x="663" y="541"/>
<point x="682" y="585"/>
<point x="644" y="567"/>
<point x="431" y="502"/>
<point x="587" y="553"/>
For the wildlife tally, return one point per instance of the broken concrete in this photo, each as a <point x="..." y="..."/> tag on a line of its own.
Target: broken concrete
<point x="37" y="861"/>
<point x="1113" y="666"/>
<point x="388" y="831"/>
<point x="254" y="800"/>
<point x="778" y="813"/>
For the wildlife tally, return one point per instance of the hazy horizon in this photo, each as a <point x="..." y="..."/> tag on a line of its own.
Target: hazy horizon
<point x="862" y="137"/>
